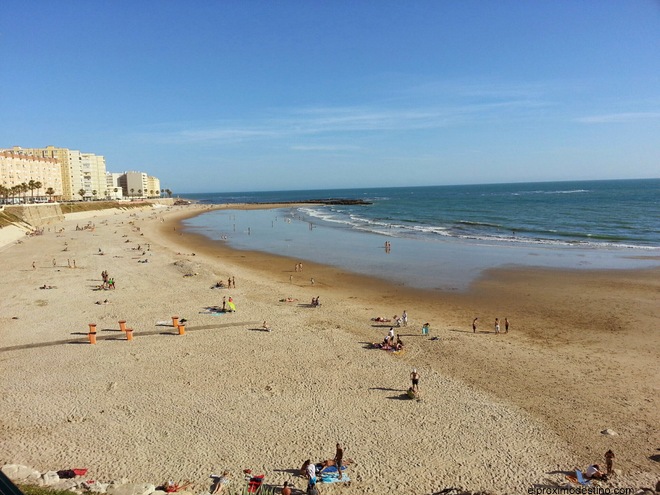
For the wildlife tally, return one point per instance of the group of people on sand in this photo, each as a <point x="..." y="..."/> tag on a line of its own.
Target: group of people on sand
<point x="315" y="301"/>
<point x="594" y="472"/>
<point x="108" y="281"/>
<point x="389" y="343"/>
<point x="475" y="323"/>
<point x="309" y="470"/>
<point x="401" y="321"/>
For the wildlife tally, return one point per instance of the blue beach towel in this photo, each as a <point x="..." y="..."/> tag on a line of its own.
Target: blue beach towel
<point x="333" y="478"/>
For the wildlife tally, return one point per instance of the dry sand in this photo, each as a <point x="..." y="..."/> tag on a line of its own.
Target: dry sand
<point x="501" y="413"/>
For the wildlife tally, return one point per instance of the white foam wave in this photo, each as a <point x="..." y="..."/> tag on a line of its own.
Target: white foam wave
<point x="380" y="227"/>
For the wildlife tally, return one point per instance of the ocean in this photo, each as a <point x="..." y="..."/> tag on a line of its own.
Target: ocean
<point x="443" y="237"/>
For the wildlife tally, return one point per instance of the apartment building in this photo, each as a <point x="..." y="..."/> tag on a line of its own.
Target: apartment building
<point x="153" y="186"/>
<point x="17" y="167"/>
<point x="113" y="186"/>
<point x="134" y="184"/>
<point x="80" y="176"/>
<point x="93" y="176"/>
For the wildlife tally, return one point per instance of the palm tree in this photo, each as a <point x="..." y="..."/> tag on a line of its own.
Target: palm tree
<point x="50" y="191"/>
<point x="152" y="193"/>
<point x="106" y="194"/>
<point x="82" y="194"/>
<point x="168" y="192"/>
<point x="38" y="185"/>
<point x="15" y="191"/>
<point x="116" y="189"/>
<point x="140" y="192"/>
<point x="4" y="192"/>
<point x="132" y="191"/>
<point x="24" y="189"/>
<point x="31" y="187"/>
<point x="162" y="191"/>
<point x="94" y="193"/>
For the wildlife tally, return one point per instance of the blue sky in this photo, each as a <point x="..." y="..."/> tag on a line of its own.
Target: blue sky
<point x="269" y="95"/>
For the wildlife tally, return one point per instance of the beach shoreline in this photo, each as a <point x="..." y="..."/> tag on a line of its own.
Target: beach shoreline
<point x="529" y="396"/>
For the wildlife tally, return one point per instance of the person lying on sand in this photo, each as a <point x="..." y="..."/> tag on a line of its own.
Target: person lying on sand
<point x="289" y="299"/>
<point x="105" y="301"/>
<point x="219" y="482"/>
<point x="332" y="462"/>
<point x="218" y="285"/>
<point x="48" y="287"/>
<point x="381" y="319"/>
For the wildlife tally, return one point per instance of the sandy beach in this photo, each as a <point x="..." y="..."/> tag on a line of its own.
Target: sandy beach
<point x="497" y="412"/>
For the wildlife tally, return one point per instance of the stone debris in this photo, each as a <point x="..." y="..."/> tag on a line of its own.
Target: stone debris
<point x="17" y="472"/>
<point x="49" y="478"/>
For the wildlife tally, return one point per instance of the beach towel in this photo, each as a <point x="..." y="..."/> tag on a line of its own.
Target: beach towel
<point x="333" y="478"/>
<point x="255" y="483"/>
<point x="329" y="469"/>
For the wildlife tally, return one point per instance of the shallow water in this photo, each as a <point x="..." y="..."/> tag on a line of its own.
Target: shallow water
<point x="444" y="263"/>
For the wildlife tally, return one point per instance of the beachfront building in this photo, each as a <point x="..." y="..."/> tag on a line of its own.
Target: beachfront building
<point x="134" y="184"/>
<point x="37" y="177"/>
<point x="93" y="176"/>
<point x="81" y="173"/>
<point x="70" y="167"/>
<point x="153" y="186"/>
<point x="113" y="186"/>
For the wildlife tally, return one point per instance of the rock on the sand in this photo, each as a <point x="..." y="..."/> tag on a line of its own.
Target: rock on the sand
<point x="49" y="478"/>
<point x="18" y="472"/>
<point x="131" y="489"/>
<point x="609" y="432"/>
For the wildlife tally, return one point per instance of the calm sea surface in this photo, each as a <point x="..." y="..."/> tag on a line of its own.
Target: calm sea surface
<point x="445" y="236"/>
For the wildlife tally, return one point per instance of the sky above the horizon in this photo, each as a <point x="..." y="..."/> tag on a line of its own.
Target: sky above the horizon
<point x="222" y="96"/>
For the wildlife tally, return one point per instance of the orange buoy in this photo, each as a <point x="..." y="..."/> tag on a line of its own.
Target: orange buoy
<point x="182" y="329"/>
<point x="129" y="334"/>
<point x="92" y="328"/>
<point x="175" y="321"/>
<point x="122" y="325"/>
<point x="92" y="337"/>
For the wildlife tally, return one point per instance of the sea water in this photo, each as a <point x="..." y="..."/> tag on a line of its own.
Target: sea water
<point x="445" y="236"/>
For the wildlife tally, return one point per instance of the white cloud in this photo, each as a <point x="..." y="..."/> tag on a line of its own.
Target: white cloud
<point x="321" y="147"/>
<point x="619" y="118"/>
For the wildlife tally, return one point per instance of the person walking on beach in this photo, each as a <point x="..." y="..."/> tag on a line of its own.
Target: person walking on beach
<point x="224" y="303"/>
<point x="506" y="325"/>
<point x="497" y="325"/>
<point x="404" y="318"/>
<point x="474" y="325"/>
<point x="414" y="377"/>
<point x="609" y="461"/>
